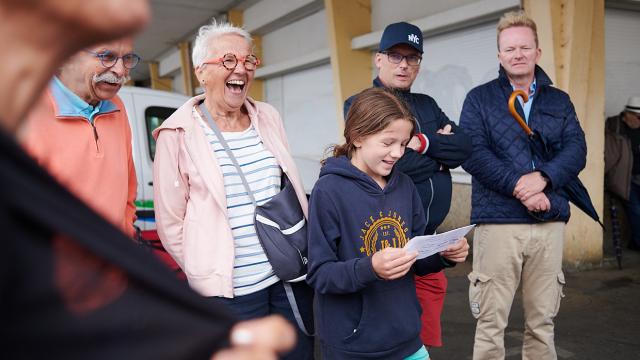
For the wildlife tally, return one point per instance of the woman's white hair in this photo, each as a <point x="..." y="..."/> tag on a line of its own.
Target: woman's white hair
<point x="209" y="32"/>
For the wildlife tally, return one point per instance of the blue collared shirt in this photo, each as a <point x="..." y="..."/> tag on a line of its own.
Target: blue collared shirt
<point x="527" y="106"/>
<point x="70" y="104"/>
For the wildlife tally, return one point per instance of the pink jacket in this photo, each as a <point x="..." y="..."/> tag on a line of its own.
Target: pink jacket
<point x="189" y="196"/>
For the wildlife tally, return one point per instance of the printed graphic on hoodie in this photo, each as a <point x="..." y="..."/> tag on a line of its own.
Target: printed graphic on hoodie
<point x="387" y="229"/>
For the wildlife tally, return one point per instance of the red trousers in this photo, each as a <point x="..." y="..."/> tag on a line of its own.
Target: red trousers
<point x="431" y="290"/>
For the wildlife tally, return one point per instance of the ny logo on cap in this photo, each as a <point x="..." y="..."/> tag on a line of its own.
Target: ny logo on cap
<point x="414" y="39"/>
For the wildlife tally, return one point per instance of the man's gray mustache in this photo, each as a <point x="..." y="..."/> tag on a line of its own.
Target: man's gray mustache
<point x="111" y="78"/>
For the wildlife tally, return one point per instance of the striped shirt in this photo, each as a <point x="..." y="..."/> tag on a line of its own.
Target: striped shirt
<point x="251" y="269"/>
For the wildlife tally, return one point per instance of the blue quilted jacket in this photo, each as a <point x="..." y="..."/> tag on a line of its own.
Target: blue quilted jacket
<point x="501" y="153"/>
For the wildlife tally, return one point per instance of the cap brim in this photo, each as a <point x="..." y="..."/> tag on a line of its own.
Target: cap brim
<point x="401" y="43"/>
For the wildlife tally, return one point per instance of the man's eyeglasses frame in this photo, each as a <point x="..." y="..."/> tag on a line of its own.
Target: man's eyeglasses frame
<point x="396" y="58"/>
<point x="109" y="60"/>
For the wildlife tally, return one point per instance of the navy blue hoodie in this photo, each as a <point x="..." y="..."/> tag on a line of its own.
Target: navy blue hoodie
<point x="360" y="316"/>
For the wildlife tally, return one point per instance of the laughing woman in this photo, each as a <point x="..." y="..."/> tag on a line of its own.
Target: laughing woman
<point x="203" y="212"/>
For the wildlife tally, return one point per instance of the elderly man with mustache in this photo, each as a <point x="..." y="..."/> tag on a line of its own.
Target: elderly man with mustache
<point x="80" y="133"/>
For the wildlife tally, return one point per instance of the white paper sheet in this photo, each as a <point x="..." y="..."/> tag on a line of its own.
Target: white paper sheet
<point x="428" y="245"/>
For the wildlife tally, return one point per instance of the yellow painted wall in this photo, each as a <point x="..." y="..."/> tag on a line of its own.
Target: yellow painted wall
<point x="571" y="35"/>
<point x="351" y="68"/>
<point x="257" y="87"/>
<point x="186" y="67"/>
<point x="157" y="82"/>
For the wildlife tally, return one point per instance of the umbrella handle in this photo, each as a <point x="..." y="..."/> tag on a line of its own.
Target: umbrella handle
<point x="514" y="113"/>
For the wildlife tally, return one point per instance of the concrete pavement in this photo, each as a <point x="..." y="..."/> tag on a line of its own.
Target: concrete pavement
<point x="599" y="317"/>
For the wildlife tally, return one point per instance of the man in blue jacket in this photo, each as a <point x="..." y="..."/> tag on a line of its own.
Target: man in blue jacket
<point x="438" y="146"/>
<point x="515" y="200"/>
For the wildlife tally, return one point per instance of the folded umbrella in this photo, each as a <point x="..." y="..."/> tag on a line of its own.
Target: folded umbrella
<point x="574" y="190"/>
<point x="615" y="231"/>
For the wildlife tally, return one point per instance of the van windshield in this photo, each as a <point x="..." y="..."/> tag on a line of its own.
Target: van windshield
<point x="154" y="116"/>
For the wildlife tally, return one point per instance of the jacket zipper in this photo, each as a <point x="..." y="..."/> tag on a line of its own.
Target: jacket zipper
<point x="95" y="135"/>
<point x="181" y="145"/>
<point x="428" y="214"/>
<point x="414" y="111"/>
<point x="533" y="163"/>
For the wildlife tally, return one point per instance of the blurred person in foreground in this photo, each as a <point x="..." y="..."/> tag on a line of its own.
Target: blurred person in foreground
<point x="79" y="131"/>
<point x="72" y="285"/>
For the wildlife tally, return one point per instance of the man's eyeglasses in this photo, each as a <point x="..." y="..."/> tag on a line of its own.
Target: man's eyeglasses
<point x="396" y="58"/>
<point x="109" y="59"/>
<point x="230" y="61"/>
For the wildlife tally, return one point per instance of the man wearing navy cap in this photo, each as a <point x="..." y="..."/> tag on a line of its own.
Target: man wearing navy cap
<point x="438" y="146"/>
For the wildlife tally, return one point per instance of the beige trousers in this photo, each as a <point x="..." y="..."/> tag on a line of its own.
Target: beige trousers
<point x="503" y="255"/>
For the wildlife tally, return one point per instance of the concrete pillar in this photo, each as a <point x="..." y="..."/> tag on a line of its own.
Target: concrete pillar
<point x="256" y="91"/>
<point x="158" y="82"/>
<point x="351" y="68"/>
<point x="186" y="67"/>
<point x="571" y="35"/>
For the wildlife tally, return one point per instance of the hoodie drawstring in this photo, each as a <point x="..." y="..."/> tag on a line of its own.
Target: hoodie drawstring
<point x="176" y="183"/>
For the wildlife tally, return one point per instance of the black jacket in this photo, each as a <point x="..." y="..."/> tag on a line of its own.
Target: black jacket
<point x="73" y="287"/>
<point x="621" y="156"/>
<point x="430" y="172"/>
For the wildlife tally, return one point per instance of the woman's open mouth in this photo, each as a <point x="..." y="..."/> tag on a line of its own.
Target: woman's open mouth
<point x="235" y="86"/>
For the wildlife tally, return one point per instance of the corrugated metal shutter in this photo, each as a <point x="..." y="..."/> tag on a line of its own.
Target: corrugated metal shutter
<point x="306" y="103"/>
<point x="622" y="58"/>
<point x="454" y="63"/>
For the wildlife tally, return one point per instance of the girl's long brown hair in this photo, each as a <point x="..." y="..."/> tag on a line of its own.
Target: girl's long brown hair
<point x="371" y="112"/>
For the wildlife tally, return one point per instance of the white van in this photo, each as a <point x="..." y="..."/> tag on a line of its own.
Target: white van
<point x="147" y="109"/>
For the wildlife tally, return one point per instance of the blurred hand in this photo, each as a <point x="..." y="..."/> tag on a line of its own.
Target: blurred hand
<point x="457" y="252"/>
<point x="392" y="263"/>
<point x="446" y="130"/>
<point x="529" y="185"/>
<point x="261" y="339"/>
<point x="537" y="202"/>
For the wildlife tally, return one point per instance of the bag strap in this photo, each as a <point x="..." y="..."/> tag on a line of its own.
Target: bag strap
<point x="294" y="307"/>
<point x="227" y="149"/>
<point x="287" y="287"/>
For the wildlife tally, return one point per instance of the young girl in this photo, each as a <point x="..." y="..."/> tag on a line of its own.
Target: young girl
<point x="361" y="215"/>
